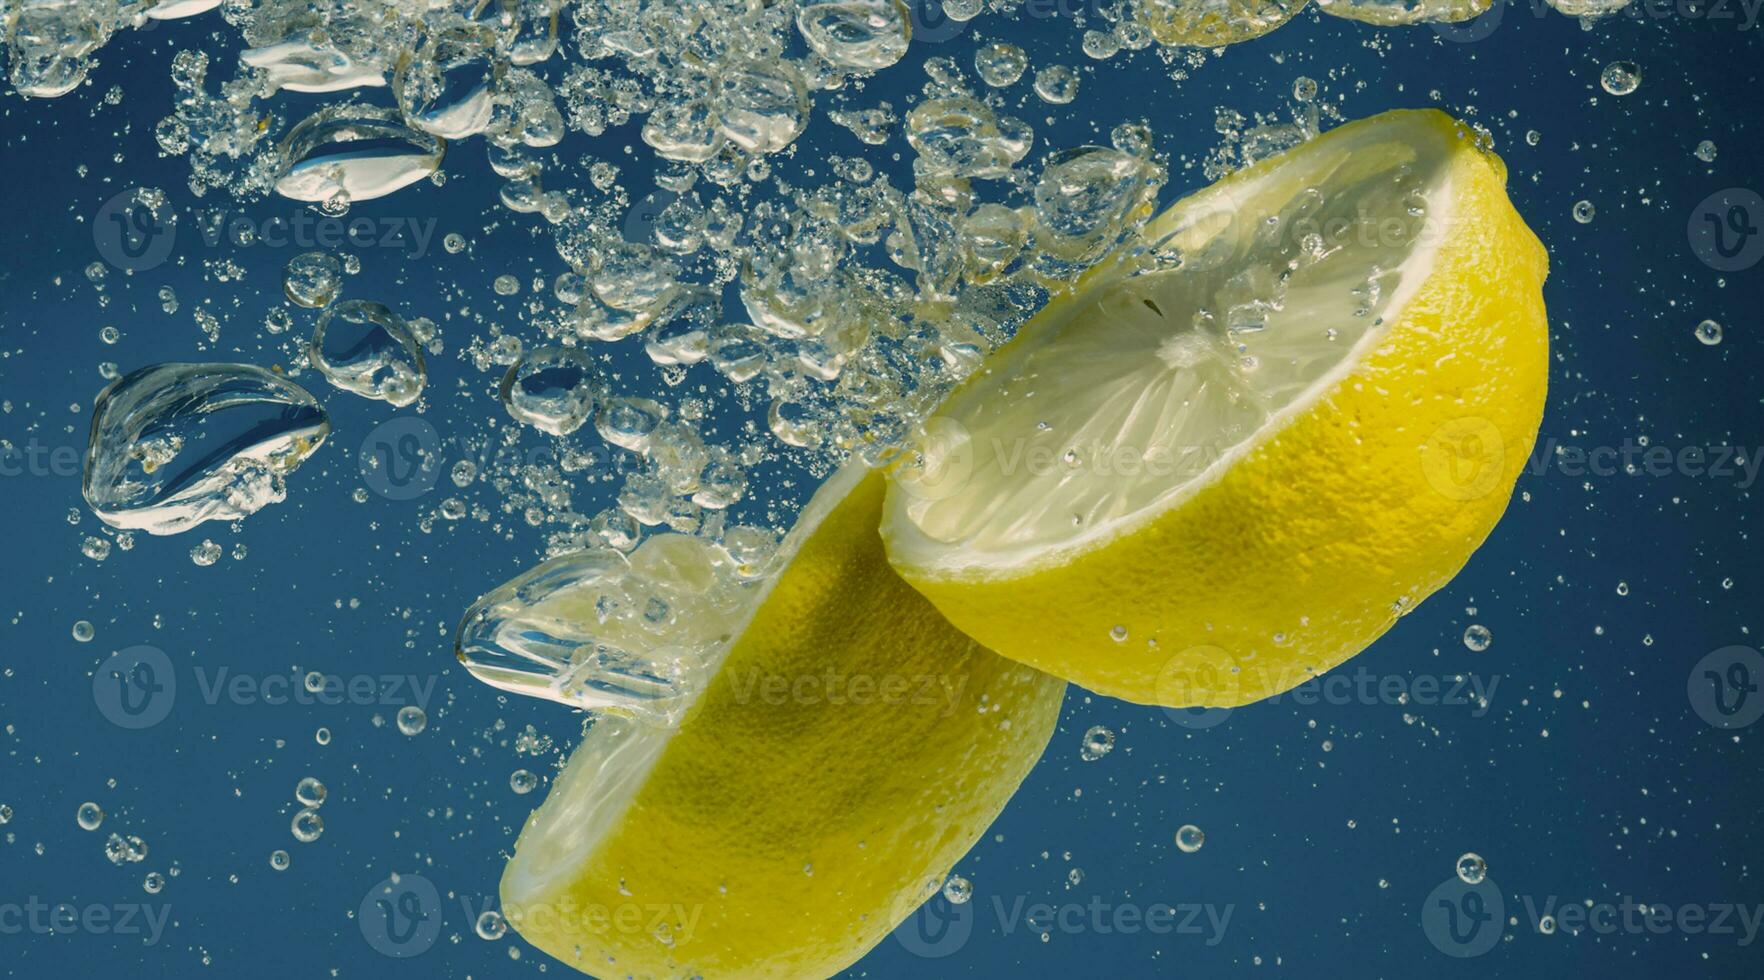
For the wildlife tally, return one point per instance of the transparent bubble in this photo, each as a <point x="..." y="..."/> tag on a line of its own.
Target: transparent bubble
<point x="1189" y="838"/>
<point x="90" y="816"/>
<point x="1620" y="77"/>
<point x="83" y="631"/>
<point x="1709" y="332"/>
<point x="1000" y="64"/>
<point x="1477" y="637"/>
<point x="1098" y="742"/>
<point x="365" y="348"/>
<point x="553" y="389"/>
<point x="1584" y="211"/>
<point x="279" y="860"/>
<point x="860" y="34"/>
<point x="412" y="719"/>
<point x="1472" y="869"/>
<point x="307" y="825"/>
<point x="958" y="890"/>
<point x="1056" y="84"/>
<point x="491" y="925"/>
<point x="522" y="781"/>
<point x="310" y="792"/>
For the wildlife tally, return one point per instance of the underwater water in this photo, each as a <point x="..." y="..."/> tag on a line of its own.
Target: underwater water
<point x="1578" y="707"/>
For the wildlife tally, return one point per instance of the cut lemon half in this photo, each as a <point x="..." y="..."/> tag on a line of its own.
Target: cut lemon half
<point x="1231" y="459"/>
<point x="847" y="749"/>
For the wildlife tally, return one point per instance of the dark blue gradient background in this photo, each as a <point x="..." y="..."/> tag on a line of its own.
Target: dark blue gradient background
<point x="1589" y="777"/>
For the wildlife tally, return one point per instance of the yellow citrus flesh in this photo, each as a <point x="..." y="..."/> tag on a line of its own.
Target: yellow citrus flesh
<point x="1215" y="23"/>
<point x="1334" y="490"/>
<point x="847" y="752"/>
<point x="1399" y="13"/>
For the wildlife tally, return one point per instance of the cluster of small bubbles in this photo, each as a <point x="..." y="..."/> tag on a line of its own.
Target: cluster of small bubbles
<point x="1584" y="211"/>
<point x="83" y="631"/>
<point x="90" y="816"/>
<point x="958" y="890"/>
<point x="1472" y="869"/>
<point x="523" y="781"/>
<point x="1477" y="637"/>
<point x="1620" y="77"/>
<point x="412" y="719"/>
<point x="125" y="850"/>
<point x="491" y="925"/>
<point x="1098" y="742"/>
<point x="312" y="279"/>
<point x="1189" y="838"/>
<point x="307" y="825"/>
<point x="1709" y="332"/>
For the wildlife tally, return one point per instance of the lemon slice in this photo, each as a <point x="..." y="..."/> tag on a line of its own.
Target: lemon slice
<point x="1214" y="23"/>
<point x="1230" y="460"/>
<point x="1399" y="13"/>
<point x="848" y="747"/>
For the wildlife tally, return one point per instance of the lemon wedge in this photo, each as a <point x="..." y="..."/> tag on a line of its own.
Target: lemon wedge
<point x="846" y="749"/>
<point x="1230" y="459"/>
